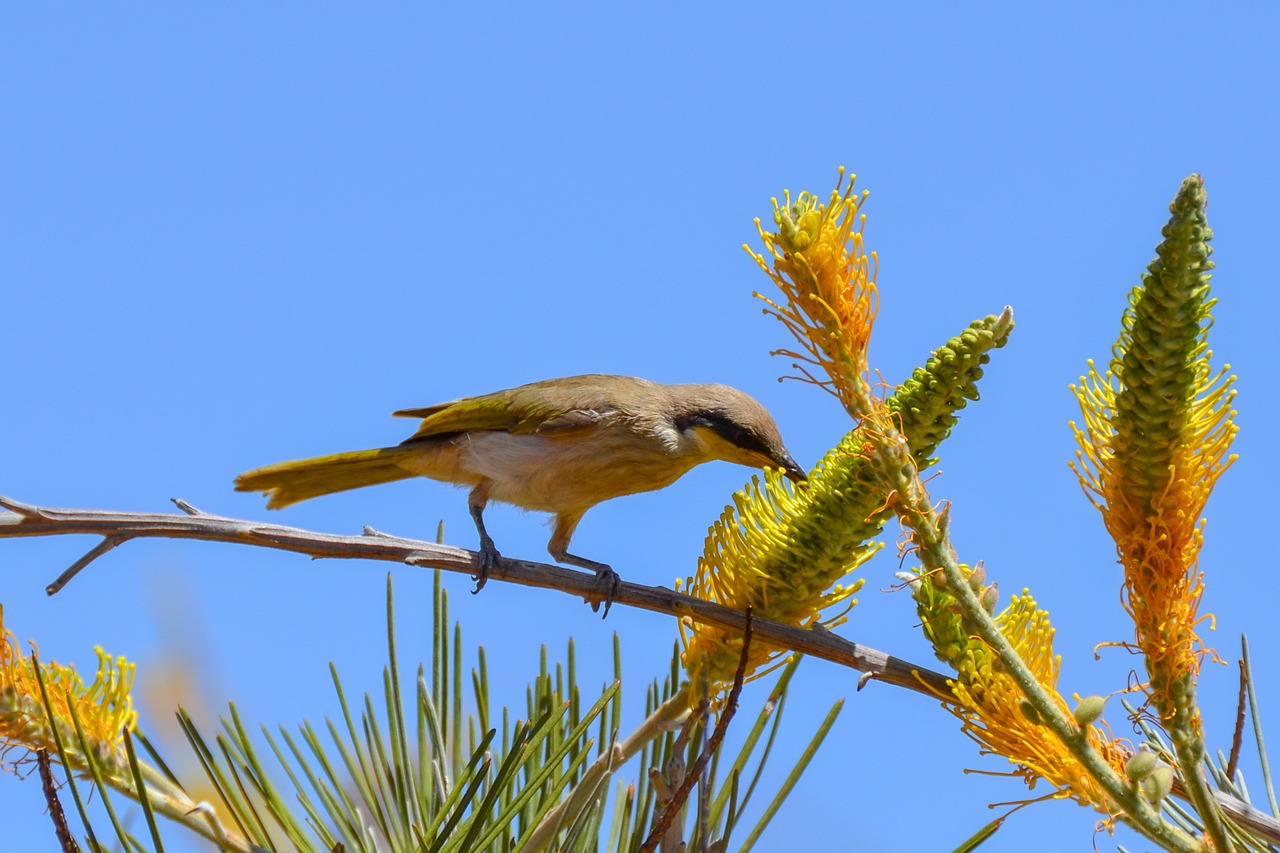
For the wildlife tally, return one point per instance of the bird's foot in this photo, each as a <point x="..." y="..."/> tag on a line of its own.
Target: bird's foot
<point x="489" y="557"/>
<point x="609" y="582"/>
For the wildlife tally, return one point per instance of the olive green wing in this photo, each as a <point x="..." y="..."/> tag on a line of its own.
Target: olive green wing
<point x="506" y="411"/>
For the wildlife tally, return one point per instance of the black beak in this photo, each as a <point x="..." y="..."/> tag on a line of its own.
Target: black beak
<point x="794" y="472"/>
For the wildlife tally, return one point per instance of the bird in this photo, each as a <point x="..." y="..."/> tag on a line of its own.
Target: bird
<point x="559" y="446"/>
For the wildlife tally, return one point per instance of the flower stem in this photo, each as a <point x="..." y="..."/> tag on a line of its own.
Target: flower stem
<point x="928" y="529"/>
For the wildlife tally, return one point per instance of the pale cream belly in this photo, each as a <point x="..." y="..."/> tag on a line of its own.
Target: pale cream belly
<point x="552" y="474"/>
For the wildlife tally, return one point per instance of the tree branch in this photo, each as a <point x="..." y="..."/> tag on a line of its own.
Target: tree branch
<point x="66" y="841"/>
<point x="23" y="519"/>
<point x="681" y="795"/>
<point x="118" y="527"/>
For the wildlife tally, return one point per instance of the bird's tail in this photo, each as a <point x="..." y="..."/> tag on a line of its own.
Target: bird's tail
<point x="287" y="483"/>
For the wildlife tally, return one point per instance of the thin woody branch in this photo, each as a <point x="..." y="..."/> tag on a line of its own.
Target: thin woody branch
<point x="681" y="795"/>
<point x="23" y="519"/>
<point x="118" y="527"/>
<point x="66" y="841"/>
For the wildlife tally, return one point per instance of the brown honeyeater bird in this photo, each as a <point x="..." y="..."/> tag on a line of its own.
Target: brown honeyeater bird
<point x="559" y="446"/>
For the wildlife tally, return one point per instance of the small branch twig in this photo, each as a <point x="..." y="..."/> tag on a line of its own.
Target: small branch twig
<point x="1237" y="734"/>
<point x="118" y="527"/>
<point x="66" y="840"/>
<point x="681" y="794"/>
<point x="108" y="543"/>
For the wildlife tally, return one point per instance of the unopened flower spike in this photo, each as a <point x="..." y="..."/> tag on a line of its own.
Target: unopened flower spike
<point x="927" y="403"/>
<point x="1157" y="427"/>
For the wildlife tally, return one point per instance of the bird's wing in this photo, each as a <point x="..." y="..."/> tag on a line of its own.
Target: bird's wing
<point x="573" y="421"/>
<point x="424" y="412"/>
<point x="502" y="411"/>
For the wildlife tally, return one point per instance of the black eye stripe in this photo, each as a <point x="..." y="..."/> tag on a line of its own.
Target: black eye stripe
<point x="728" y="429"/>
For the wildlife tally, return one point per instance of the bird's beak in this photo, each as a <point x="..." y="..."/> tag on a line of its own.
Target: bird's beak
<point x="791" y="468"/>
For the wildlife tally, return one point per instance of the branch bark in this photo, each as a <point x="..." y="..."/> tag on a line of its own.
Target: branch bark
<point x="681" y="795"/>
<point x="116" y="528"/>
<point x="66" y="840"/>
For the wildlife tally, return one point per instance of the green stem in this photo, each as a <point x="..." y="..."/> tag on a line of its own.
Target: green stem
<point x="1188" y="745"/>
<point x="1257" y="727"/>
<point x="657" y="724"/>
<point x="897" y="470"/>
<point x="172" y="802"/>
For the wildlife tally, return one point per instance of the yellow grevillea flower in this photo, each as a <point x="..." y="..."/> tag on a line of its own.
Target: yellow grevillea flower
<point x="817" y="259"/>
<point x="1159" y="541"/>
<point x="991" y="706"/>
<point x="785" y="551"/>
<point x="778" y="550"/>
<point x="104" y="708"/>
<point x="1157" y="428"/>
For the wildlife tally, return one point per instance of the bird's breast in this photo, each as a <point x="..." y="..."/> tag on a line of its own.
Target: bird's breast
<point x="555" y="473"/>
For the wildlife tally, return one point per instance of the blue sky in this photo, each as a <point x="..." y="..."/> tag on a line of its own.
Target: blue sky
<point x="238" y="234"/>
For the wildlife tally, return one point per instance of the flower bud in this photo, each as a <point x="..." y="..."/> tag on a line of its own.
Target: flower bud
<point x="911" y="579"/>
<point x="1158" y="784"/>
<point x="977" y="577"/>
<point x="1089" y="710"/>
<point x="991" y="597"/>
<point x="1140" y="766"/>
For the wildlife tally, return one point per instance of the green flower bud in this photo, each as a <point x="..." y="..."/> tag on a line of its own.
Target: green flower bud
<point x="1029" y="711"/>
<point x="950" y="653"/>
<point x="990" y="598"/>
<point x="1089" y="710"/>
<point x="977" y="577"/>
<point x="1158" y="783"/>
<point x="1140" y="766"/>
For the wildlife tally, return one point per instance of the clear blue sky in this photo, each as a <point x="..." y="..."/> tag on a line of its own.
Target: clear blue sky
<point x="238" y="234"/>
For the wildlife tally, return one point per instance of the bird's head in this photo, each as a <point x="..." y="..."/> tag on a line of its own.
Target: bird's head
<point x="733" y="427"/>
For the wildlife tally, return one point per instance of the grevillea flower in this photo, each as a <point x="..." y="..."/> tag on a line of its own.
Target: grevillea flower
<point x="104" y="708"/>
<point x="785" y="551"/>
<point x="990" y="705"/>
<point x="817" y="260"/>
<point x="1157" y="428"/>
<point x="779" y="549"/>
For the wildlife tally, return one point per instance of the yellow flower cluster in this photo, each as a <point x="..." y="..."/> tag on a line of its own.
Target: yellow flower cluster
<point x="104" y="708"/>
<point x="779" y="549"/>
<point x="818" y="261"/>
<point x="990" y="705"/>
<point x="784" y="551"/>
<point x="1159" y="541"/>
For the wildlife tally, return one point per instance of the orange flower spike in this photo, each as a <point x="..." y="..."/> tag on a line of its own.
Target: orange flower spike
<point x="1157" y="430"/>
<point x="818" y="261"/>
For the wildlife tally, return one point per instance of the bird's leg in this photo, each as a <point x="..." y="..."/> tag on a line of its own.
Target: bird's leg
<point x="489" y="555"/>
<point x="606" y="577"/>
<point x="608" y="580"/>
